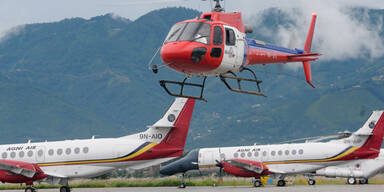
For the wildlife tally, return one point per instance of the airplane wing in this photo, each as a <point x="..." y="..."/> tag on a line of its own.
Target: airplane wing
<point x="18" y="167"/>
<point x="254" y="166"/>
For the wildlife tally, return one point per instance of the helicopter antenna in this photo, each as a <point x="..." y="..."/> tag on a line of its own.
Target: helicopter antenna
<point x="218" y="7"/>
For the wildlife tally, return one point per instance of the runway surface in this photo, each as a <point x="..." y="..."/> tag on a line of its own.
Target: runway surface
<point x="330" y="188"/>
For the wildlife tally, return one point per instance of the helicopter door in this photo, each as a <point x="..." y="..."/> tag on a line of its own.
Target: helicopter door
<point x="230" y="50"/>
<point x="217" y="42"/>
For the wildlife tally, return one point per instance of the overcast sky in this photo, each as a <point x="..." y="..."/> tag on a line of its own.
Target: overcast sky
<point x="18" y="12"/>
<point x="335" y="36"/>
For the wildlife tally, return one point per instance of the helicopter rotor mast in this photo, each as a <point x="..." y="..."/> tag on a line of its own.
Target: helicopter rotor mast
<point x="218" y="7"/>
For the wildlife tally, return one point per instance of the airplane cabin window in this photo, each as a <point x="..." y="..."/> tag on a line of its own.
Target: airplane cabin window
<point x="21" y="154"/>
<point x="40" y="153"/>
<point x="301" y="152"/>
<point x="4" y="155"/>
<point x="242" y="154"/>
<point x="294" y="152"/>
<point x="286" y="152"/>
<point x="273" y="153"/>
<point x="230" y="38"/>
<point x="77" y="150"/>
<point x="264" y="153"/>
<point x="236" y="155"/>
<point x="30" y="153"/>
<point x="85" y="150"/>
<point x="249" y="154"/>
<point x="13" y="154"/>
<point x="280" y="152"/>
<point x="256" y="154"/>
<point x="59" y="151"/>
<point x="50" y="152"/>
<point x="68" y="151"/>
<point x="222" y="156"/>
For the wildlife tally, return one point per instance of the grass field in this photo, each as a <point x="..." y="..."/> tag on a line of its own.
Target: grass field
<point x="174" y="181"/>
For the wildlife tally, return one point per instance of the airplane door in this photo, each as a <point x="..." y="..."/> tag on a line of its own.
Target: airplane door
<point x="40" y="154"/>
<point x="208" y="159"/>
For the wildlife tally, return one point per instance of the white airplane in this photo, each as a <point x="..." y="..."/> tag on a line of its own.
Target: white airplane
<point x="360" y="170"/>
<point x="57" y="162"/>
<point x="281" y="160"/>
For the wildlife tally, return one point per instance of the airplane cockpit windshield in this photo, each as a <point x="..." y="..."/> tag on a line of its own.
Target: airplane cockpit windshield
<point x="192" y="31"/>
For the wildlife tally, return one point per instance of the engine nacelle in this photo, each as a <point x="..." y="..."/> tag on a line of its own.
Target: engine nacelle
<point x="340" y="172"/>
<point x="248" y="29"/>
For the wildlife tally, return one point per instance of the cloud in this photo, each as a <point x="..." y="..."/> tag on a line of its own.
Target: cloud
<point x="338" y="34"/>
<point x="4" y="35"/>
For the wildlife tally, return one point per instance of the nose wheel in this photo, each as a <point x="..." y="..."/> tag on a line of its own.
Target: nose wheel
<point x="182" y="183"/>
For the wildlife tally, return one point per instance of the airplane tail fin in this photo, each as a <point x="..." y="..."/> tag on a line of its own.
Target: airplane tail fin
<point x="374" y="130"/>
<point x="177" y="118"/>
<point x="307" y="49"/>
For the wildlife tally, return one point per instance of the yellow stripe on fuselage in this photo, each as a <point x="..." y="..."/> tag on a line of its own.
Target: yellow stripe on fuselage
<point x="349" y="151"/>
<point x="141" y="151"/>
<point x="207" y="166"/>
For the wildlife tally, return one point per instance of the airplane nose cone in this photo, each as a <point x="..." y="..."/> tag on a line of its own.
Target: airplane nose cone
<point x="182" y="165"/>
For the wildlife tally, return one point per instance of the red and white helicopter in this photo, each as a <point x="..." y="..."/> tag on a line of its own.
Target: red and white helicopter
<point x="215" y="44"/>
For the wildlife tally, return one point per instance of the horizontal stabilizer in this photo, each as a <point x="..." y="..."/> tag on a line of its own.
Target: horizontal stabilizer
<point x="304" y="55"/>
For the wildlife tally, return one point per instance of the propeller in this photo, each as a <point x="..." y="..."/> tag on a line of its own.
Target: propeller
<point x="220" y="165"/>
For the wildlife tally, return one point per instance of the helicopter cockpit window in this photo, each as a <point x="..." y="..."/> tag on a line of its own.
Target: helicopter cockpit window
<point x="175" y="32"/>
<point x="193" y="31"/>
<point x="230" y="38"/>
<point x="196" y="31"/>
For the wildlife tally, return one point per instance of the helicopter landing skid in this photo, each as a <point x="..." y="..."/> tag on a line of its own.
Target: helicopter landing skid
<point x="239" y="79"/>
<point x="163" y="83"/>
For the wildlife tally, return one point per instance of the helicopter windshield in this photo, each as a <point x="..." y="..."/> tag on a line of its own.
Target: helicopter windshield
<point x="193" y="31"/>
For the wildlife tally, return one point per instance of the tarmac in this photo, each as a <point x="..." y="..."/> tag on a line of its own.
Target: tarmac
<point x="316" y="188"/>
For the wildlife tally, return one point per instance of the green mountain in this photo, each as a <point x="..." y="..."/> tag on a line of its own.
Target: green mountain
<point x="76" y="78"/>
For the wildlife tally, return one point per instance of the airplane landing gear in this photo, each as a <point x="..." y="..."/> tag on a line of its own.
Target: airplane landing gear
<point x="182" y="183"/>
<point x="30" y="189"/>
<point x="281" y="183"/>
<point x="163" y="83"/>
<point x="231" y="75"/>
<point x="257" y="182"/>
<point x="351" y="181"/>
<point x="363" y="181"/>
<point x="311" y="181"/>
<point x="65" y="189"/>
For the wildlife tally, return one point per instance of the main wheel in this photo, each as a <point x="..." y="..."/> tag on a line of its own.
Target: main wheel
<point x="30" y="189"/>
<point x="182" y="185"/>
<point x="65" y="189"/>
<point x="311" y="182"/>
<point x="363" y="181"/>
<point x="281" y="183"/>
<point x="351" y="180"/>
<point x="257" y="183"/>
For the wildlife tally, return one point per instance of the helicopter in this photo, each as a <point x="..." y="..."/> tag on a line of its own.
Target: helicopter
<point x="215" y="44"/>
